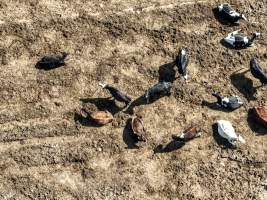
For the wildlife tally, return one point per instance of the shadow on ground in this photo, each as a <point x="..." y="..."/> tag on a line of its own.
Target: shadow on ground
<point x="103" y="104"/>
<point x="167" y="72"/>
<point x="85" y="121"/>
<point x="171" y="146"/>
<point x="141" y="101"/>
<point x="255" y="126"/>
<point x="244" y="85"/>
<point x="129" y="138"/>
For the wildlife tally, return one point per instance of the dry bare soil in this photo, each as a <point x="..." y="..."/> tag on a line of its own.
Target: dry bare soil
<point x="48" y="151"/>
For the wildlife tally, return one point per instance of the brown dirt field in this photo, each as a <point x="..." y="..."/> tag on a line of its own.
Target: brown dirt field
<point x="49" y="152"/>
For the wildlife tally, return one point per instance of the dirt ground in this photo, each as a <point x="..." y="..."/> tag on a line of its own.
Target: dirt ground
<point x="48" y="151"/>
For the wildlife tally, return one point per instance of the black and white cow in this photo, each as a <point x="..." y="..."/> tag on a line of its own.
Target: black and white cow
<point x="182" y="61"/>
<point x="227" y="13"/>
<point x="257" y="71"/>
<point x="231" y="102"/>
<point x="236" y="40"/>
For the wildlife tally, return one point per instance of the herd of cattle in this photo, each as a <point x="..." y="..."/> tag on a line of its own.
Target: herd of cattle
<point x="225" y="129"/>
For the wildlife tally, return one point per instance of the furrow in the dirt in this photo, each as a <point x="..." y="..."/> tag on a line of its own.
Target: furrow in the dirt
<point x="37" y="130"/>
<point x="23" y="112"/>
<point x="234" y="174"/>
<point x="59" y="153"/>
<point x="68" y="184"/>
<point x="115" y="26"/>
<point x="12" y="93"/>
<point x="53" y="85"/>
<point x="151" y="8"/>
<point x="7" y="192"/>
<point x="31" y="188"/>
<point x="45" y="141"/>
<point x="46" y="154"/>
<point x="45" y="169"/>
<point x="22" y="14"/>
<point x="30" y="113"/>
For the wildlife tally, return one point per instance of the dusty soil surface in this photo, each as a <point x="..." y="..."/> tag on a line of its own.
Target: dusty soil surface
<point x="48" y="151"/>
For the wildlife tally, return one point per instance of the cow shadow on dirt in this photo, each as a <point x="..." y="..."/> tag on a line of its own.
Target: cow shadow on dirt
<point x="137" y="102"/>
<point x="103" y="104"/>
<point x="254" y="125"/>
<point x="167" y="72"/>
<point x="85" y="121"/>
<point x="244" y="85"/>
<point x="129" y="138"/>
<point x="40" y="67"/>
<point x="141" y="101"/>
<point x="173" y="145"/>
